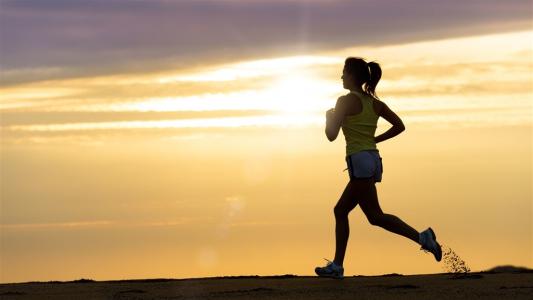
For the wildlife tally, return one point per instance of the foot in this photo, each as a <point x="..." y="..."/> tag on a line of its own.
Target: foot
<point x="331" y="270"/>
<point x="428" y="241"/>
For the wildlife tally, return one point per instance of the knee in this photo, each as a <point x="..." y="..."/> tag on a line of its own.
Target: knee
<point x="340" y="212"/>
<point x="375" y="220"/>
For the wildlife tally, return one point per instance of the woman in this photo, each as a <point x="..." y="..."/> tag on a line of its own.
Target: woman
<point x="357" y="114"/>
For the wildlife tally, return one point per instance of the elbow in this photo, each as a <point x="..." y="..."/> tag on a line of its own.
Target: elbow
<point x="331" y="137"/>
<point x="400" y="127"/>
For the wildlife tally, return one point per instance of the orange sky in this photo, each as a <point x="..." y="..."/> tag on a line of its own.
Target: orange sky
<point x="225" y="170"/>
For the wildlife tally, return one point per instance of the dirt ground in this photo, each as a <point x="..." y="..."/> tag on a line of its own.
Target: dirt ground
<point x="437" y="286"/>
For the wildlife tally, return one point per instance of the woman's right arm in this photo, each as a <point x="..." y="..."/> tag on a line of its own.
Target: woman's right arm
<point x="391" y="117"/>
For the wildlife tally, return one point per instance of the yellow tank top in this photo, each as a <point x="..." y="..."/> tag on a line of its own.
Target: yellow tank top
<point x="359" y="129"/>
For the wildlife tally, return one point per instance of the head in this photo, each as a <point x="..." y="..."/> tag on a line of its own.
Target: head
<point x="357" y="73"/>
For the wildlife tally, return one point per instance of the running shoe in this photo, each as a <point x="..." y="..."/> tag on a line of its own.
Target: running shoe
<point x="428" y="241"/>
<point x="331" y="270"/>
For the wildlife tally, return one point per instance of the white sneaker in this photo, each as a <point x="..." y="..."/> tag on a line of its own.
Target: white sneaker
<point x="330" y="270"/>
<point x="428" y="241"/>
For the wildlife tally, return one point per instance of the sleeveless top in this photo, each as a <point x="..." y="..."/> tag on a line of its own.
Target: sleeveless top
<point x="359" y="129"/>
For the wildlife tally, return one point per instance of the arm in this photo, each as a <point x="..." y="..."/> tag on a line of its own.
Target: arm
<point x="397" y="124"/>
<point x="334" y="119"/>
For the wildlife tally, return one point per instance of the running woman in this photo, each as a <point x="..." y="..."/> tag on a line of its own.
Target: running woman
<point x="357" y="113"/>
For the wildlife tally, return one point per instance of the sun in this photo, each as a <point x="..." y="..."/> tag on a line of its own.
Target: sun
<point x="288" y="87"/>
<point x="299" y="93"/>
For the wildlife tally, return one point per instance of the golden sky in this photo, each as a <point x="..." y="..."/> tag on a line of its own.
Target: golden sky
<point x="224" y="169"/>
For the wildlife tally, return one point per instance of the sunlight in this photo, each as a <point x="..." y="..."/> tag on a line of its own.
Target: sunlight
<point x="292" y="88"/>
<point x="298" y="93"/>
<point x="23" y="97"/>
<point x="253" y="68"/>
<point x="226" y="122"/>
<point x="293" y="92"/>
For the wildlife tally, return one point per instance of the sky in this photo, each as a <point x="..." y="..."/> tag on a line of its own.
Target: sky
<point x="184" y="139"/>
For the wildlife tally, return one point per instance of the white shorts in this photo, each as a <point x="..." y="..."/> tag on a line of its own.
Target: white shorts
<point x="365" y="164"/>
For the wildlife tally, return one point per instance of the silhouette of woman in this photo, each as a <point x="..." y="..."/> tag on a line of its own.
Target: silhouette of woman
<point x="357" y="113"/>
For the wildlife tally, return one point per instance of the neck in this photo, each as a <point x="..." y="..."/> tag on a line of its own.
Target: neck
<point x="357" y="89"/>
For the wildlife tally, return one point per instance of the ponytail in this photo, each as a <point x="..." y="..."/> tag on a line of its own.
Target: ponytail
<point x="364" y="74"/>
<point x="375" y="76"/>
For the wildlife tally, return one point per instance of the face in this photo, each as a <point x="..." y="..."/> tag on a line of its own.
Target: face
<point x="347" y="79"/>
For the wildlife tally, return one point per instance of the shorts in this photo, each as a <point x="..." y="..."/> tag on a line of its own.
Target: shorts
<point x="365" y="164"/>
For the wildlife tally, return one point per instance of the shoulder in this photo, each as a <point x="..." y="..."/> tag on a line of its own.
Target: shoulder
<point x="378" y="105"/>
<point x="342" y="101"/>
<point x="378" y="102"/>
<point x="345" y="99"/>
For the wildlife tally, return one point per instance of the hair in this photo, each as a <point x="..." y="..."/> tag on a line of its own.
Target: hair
<point x="365" y="73"/>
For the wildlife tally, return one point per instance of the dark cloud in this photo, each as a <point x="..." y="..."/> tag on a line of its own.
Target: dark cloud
<point x="58" y="38"/>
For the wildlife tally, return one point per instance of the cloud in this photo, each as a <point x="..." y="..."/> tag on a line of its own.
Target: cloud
<point x="77" y="224"/>
<point x="58" y="38"/>
<point x="460" y="78"/>
<point x="62" y="117"/>
<point x="98" y="224"/>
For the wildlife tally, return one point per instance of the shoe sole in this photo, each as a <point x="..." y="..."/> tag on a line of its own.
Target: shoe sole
<point x="435" y="239"/>
<point x="329" y="276"/>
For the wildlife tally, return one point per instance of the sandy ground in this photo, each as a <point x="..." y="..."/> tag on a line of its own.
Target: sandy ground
<point x="437" y="286"/>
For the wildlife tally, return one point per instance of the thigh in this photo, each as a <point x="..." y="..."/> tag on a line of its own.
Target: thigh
<point x="369" y="200"/>
<point x="349" y="197"/>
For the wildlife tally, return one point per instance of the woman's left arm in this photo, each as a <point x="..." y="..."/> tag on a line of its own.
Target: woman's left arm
<point x="334" y="119"/>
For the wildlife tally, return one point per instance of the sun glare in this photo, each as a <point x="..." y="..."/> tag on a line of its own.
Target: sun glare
<point x="299" y="94"/>
<point x="291" y="91"/>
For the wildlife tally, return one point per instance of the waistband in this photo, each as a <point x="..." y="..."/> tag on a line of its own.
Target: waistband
<point x="369" y="150"/>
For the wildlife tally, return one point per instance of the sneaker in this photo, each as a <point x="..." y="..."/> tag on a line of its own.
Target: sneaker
<point x="330" y="270"/>
<point x="428" y="241"/>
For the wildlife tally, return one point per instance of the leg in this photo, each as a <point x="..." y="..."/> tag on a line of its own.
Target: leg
<point x="346" y="203"/>
<point x="370" y="206"/>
